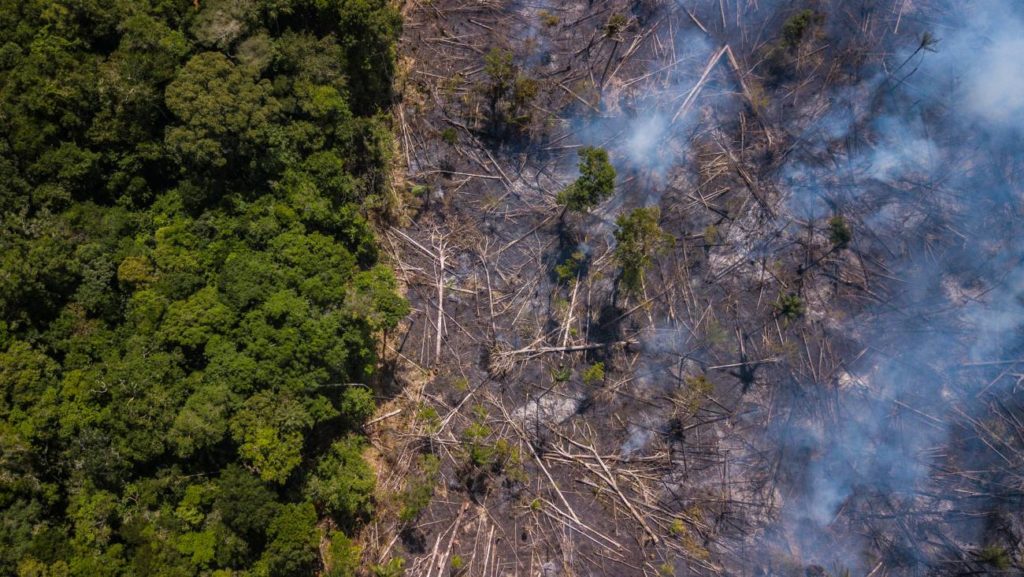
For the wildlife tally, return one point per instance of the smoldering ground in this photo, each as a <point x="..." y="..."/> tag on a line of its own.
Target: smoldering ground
<point x="929" y="171"/>
<point x="870" y="426"/>
<point x="921" y="155"/>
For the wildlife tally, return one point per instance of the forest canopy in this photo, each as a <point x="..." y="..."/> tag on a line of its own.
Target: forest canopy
<point x="190" y="293"/>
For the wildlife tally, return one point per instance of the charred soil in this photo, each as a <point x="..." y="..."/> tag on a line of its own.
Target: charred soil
<point x="797" y="385"/>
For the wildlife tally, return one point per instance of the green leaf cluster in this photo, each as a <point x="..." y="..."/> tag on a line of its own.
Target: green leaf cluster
<point x="595" y="184"/>
<point x="639" y="238"/>
<point x="839" y="232"/>
<point x="789" y="306"/>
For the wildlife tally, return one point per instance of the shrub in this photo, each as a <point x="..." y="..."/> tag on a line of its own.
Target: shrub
<point x="343" y="556"/>
<point x="789" y="306"/>
<point x="457" y="563"/>
<point x="548" y="19"/>
<point x="615" y="25"/>
<point x="794" y="30"/>
<point x="697" y="387"/>
<point x="570" y="268"/>
<point x="678" y="528"/>
<point x="711" y="235"/>
<point x="524" y="91"/>
<point x="593" y="374"/>
<point x="995" y="556"/>
<point x="839" y="232"/>
<point x="507" y="458"/>
<point x="478" y="450"/>
<point x="393" y="568"/>
<point x="561" y="374"/>
<point x="431" y="420"/>
<point x="421" y="488"/>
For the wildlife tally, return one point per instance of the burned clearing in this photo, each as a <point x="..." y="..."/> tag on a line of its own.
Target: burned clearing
<point x="786" y="343"/>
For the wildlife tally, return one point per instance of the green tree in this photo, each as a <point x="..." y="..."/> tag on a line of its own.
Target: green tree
<point x="508" y="92"/>
<point x="357" y="405"/>
<point x="343" y="482"/>
<point x="795" y="28"/>
<point x="789" y="306"/>
<point x="269" y="430"/>
<point x="293" y="540"/>
<point x="343" y="556"/>
<point x="639" y="239"/>
<point x="374" y="297"/>
<point x="244" y="502"/>
<point x="202" y="423"/>
<point x="226" y="117"/>
<point x="371" y="32"/>
<point x="595" y="184"/>
<point x="839" y="232"/>
<point x="501" y="73"/>
<point x="25" y="374"/>
<point x="194" y="321"/>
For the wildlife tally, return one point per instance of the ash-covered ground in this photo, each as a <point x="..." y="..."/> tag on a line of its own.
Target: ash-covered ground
<point x="821" y="373"/>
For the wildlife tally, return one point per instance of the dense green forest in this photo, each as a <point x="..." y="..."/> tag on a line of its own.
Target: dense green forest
<point x="190" y="293"/>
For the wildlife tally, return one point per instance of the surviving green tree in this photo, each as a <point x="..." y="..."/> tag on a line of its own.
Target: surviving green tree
<point x="639" y="239"/>
<point x="595" y="184"/>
